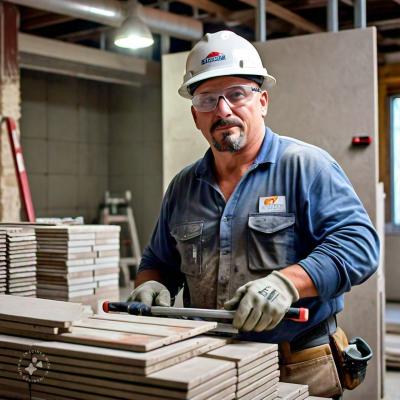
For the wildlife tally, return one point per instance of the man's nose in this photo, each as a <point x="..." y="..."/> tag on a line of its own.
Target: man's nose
<point x="223" y="107"/>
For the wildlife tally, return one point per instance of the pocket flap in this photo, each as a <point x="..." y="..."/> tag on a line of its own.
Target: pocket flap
<point x="187" y="231"/>
<point x="270" y="223"/>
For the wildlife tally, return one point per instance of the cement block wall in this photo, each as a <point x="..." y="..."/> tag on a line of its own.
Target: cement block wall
<point x="136" y="152"/>
<point x="81" y="138"/>
<point x="64" y="134"/>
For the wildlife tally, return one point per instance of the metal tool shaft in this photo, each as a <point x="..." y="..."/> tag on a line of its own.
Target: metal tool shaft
<point x="191" y="312"/>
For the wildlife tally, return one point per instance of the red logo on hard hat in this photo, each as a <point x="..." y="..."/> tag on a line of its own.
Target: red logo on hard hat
<point x="212" y="57"/>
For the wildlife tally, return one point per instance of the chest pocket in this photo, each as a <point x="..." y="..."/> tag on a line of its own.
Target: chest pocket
<point x="188" y="238"/>
<point x="270" y="241"/>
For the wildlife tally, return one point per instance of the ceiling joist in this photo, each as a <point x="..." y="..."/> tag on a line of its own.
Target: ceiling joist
<point x="44" y="21"/>
<point x="287" y="15"/>
<point x="208" y="6"/>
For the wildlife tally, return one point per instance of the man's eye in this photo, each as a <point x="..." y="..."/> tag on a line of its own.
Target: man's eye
<point x="208" y="100"/>
<point x="236" y="95"/>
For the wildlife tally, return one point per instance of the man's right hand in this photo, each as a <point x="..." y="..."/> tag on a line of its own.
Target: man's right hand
<point x="151" y="293"/>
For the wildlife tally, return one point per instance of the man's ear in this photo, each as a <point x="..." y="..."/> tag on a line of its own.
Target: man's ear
<point x="264" y="99"/>
<point x="194" y="115"/>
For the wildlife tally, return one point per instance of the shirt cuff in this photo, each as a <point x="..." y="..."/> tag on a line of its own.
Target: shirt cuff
<point x="324" y="274"/>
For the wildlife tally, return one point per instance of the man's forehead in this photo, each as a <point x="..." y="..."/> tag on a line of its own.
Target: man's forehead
<point x="222" y="82"/>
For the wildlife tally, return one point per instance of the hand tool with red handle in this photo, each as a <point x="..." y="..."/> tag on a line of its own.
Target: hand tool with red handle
<point x="137" y="308"/>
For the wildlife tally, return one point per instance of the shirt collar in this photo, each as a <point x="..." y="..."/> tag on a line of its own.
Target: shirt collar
<point x="267" y="154"/>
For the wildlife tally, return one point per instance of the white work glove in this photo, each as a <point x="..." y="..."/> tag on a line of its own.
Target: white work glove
<point x="151" y="293"/>
<point x="261" y="304"/>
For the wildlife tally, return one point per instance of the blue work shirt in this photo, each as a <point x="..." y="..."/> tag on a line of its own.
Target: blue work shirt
<point x="294" y="205"/>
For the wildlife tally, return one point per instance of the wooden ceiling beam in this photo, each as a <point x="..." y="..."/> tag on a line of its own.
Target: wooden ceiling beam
<point x="44" y="21"/>
<point x="348" y="2"/>
<point x="207" y="5"/>
<point x="84" y="34"/>
<point x="287" y="15"/>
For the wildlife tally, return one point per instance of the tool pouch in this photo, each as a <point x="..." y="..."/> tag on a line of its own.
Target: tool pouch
<point x="351" y="358"/>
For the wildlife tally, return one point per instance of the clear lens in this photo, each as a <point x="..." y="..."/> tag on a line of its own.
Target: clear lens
<point x="234" y="95"/>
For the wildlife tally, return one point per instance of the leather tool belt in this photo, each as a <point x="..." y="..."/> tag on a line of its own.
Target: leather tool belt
<point x="350" y="356"/>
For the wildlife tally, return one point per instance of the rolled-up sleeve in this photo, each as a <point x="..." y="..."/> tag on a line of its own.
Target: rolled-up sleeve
<point x="346" y="248"/>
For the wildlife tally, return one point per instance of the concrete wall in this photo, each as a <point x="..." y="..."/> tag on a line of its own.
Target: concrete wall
<point x="135" y="156"/>
<point x="326" y="93"/>
<point x="64" y="134"/>
<point x="81" y="138"/>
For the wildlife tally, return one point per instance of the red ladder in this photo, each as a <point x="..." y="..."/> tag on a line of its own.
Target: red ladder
<point x="20" y="170"/>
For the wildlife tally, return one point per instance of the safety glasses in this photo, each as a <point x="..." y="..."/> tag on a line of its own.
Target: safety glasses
<point x="234" y="95"/>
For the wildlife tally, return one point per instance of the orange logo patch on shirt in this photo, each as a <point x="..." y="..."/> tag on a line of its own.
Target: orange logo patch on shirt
<point x="272" y="204"/>
<point x="270" y="200"/>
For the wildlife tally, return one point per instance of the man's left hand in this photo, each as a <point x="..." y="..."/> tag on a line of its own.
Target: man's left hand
<point x="262" y="304"/>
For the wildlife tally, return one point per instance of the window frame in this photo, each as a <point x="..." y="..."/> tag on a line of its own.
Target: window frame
<point x="395" y="212"/>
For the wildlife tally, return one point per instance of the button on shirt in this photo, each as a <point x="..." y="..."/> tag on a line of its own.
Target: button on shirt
<point x="294" y="205"/>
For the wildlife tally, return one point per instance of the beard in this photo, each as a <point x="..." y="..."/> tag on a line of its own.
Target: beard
<point x="229" y="142"/>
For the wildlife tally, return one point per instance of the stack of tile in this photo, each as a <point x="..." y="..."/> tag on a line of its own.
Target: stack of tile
<point x="392" y="339"/>
<point x="21" y="261"/>
<point x="3" y="261"/>
<point x="292" y="391"/>
<point x="78" y="263"/>
<point x="257" y="368"/>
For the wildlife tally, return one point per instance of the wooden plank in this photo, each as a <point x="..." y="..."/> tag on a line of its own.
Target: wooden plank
<point x="266" y="389"/>
<point x="291" y="391"/>
<point x="190" y="373"/>
<point x="39" y="311"/>
<point x="134" y="390"/>
<point x="134" y="341"/>
<point x="267" y="382"/>
<point x="254" y="364"/>
<point x="114" y="340"/>
<point x="258" y="368"/>
<point x="267" y="373"/>
<point x="116" y="371"/>
<point x="16" y="343"/>
<point x="269" y="394"/>
<point x="152" y="320"/>
<point x="29" y="327"/>
<point x="243" y="353"/>
<point x="127" y="358"/>
<point x="148" y="329"/>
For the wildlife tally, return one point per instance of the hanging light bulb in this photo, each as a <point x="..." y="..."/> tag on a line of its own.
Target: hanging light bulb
<point x="133" y="33"/>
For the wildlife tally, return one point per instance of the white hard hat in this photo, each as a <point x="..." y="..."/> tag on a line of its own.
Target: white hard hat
<point x="219" y="54"/>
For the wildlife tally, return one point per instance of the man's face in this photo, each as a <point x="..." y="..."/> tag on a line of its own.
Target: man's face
<point x="229" y="128"/>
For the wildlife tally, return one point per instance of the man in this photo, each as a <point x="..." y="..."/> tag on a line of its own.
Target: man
<point x="261" y="222"/>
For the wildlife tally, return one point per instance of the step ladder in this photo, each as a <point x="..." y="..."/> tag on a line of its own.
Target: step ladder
<point x="118" y="211"/>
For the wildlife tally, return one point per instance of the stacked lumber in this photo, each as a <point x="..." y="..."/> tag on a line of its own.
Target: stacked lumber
<point x="292" y="391"/>
<point x="80" y="371"/>
<point x="30" y="316"/>
<point x="3" y="262"/>
<point x="62" y="354"/>
<point x="257" y="368"/>
<point x="78" y="262"/>
<point x="20" y="260"/>
<point x="392" y="338"/>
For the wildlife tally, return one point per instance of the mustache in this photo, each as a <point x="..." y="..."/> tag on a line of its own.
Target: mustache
<point x="226" y="122"/>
